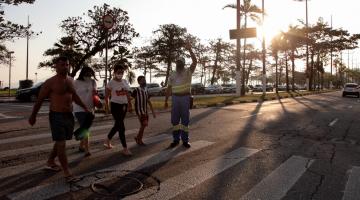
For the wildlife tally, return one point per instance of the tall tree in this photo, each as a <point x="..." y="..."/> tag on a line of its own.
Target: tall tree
<point x="168" y="42"/>
<point x="9" y="30"/>
<point x="220" y="52"/>
<point x="88" y="32"/>
<point x="145" y="59"/>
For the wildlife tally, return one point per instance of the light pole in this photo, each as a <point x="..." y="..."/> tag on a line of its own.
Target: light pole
<point x="35" y="77"/>
<point x="9" y="53"/>
<point x="263" y="50"/>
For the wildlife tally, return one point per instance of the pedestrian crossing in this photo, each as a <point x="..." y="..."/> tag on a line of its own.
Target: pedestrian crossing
<point x="274" y="185"/>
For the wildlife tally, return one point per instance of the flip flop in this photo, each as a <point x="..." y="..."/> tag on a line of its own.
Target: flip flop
<point x="107" y="146"/>
<point x="71" y="179"/>
<point x="54" y="168"/>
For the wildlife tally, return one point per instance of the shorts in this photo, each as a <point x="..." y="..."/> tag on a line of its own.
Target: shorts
<point x="143" y="119"/>
<point x="62" y="125"/>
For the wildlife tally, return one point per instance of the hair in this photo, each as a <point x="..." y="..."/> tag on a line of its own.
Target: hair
<point x="119" y="66"/>
<point x="140" y="77"/>
<point x="61" y="58"/>
<point x="84" y="71"/>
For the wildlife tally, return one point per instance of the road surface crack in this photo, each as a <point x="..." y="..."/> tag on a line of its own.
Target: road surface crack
<point x="322" y="177"/>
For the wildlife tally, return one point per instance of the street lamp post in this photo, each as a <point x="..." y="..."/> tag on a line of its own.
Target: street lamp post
<point x="263" y="50"/>
<point x="9" y="53"/>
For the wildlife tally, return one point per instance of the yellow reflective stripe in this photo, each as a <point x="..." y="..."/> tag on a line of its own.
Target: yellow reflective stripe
<point x="180" y="88"/>
<point x="185" y="128"/>
<point x="177" y="127"/>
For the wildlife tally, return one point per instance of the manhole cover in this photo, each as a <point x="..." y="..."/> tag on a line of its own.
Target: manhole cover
<point x="123" y="183"/>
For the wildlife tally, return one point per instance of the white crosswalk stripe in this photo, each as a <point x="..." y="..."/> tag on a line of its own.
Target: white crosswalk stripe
<point x="189" y="179"/>
<point x="48" y="135"/>
<point x="96" y="153"/>
<point x="276" y="185"/>
<point x="49" y="146"/>
<point x="352" y="190"/>
<point x="59" y="187"/>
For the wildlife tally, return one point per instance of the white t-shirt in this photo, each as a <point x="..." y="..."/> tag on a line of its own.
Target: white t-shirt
<point x="84" y="90"/>
<point x="119" y="90"/>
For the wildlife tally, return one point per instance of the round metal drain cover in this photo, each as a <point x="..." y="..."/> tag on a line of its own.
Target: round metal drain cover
<point x="118" y="186"/>
<point x="123" y="183"/>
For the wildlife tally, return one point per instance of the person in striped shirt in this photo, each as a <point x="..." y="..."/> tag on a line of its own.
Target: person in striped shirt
<point x="141" y="102"/>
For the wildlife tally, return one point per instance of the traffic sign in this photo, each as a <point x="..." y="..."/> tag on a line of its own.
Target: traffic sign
<point x="242" y="33"/>
<point x="108" y="21"/>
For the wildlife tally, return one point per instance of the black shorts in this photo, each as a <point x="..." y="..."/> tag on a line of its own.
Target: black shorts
<point x="62" y="125"/>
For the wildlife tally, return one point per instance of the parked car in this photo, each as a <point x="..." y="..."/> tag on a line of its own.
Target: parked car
<point x="154" y="89"/>
<point x="213" y="89"/>
<point x="257" y="88"/>
<point x="229" y="88"/>
<point x="351" y="89"/>
<point x="29" y="94"/>
<point x="281" y="87"/>
<point x="197" y="88"/>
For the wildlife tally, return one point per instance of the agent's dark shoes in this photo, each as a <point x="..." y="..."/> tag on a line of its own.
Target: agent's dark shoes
<point x="187" y="144"/>
<point x="173" y="144"/>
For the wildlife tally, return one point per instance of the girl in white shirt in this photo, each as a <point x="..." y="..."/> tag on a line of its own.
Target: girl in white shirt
<point x="85" y="87"/>
<point x="118" y="89"/>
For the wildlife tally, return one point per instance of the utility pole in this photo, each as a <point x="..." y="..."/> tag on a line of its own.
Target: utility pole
<point x="263" y="51"/>
<point x="307" y="46"/>
<point x="27" y="49"/>
<point x="238" y="47"/>
<point x="9" y="53"/>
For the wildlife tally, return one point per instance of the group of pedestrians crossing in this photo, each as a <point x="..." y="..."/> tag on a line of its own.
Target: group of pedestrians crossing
<point x="70" y="97"/>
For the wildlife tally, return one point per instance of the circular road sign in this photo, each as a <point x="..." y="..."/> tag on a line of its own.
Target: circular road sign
<point x="108" y="21"/>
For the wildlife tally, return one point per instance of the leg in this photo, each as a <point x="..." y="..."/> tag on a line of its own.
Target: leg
<point x="175" y="118"/>
<point x="143" y="119"/>
<point x="52" y="156"/>
<point x="122" y="114"/>
<point x="61" y="152"/>
<point x="185" y="118"/>
<point x="115" y="108"/>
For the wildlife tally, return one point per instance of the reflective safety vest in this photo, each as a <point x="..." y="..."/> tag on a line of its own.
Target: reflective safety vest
<point x="181" y="82"/>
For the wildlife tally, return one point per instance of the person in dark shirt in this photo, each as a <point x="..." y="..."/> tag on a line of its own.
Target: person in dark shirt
<point x="141" y="101"/>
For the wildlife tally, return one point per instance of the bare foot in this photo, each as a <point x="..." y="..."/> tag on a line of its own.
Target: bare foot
<point x="108" y="144"/>
<point x="126" y="152"/>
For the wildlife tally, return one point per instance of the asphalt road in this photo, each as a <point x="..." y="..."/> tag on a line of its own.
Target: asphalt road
<point x="295" y="148"/>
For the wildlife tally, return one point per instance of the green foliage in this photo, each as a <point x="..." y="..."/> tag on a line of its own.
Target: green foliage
<point x="88" y="33"/>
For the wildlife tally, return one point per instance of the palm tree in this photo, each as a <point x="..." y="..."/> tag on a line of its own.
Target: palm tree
<point x="167" y="43"/>
<point x="275" y="48"/>
<point x="294" y="37"/>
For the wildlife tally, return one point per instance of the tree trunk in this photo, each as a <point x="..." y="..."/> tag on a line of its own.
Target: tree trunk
<point x="167" y="71"/>
<point x="286" y="72"/>
<point x="293" y="69"/>
<point x="276" y="74"/>
<point x="244" y="64"/>
<point x="311" y="72"/>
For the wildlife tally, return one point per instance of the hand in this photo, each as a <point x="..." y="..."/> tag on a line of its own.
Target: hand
<point x="106" y="109"/>
<point x="130" y="108"/>
<point x="166" y="105"/>
<point x="32" y="120"/>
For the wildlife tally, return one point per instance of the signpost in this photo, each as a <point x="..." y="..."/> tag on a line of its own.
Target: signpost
<point x="108" y="22"/>
<point x="242" y="33"/>
<point x="239" y="34"/>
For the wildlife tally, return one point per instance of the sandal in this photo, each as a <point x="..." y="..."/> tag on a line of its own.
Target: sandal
<point x="108" y="146"/>
<point x="71" y="179"/>
<point x="54" y="168"/>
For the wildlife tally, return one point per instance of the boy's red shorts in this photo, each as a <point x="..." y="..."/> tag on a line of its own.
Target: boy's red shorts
<point x="144" y="119"/>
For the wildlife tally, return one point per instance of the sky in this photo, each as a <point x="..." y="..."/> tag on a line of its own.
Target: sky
<point x="203" y="18"/>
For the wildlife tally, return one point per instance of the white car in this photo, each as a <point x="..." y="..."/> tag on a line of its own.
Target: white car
<point x="351" y="89"/>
